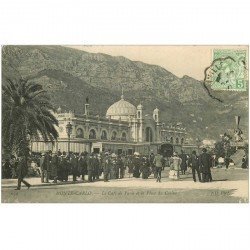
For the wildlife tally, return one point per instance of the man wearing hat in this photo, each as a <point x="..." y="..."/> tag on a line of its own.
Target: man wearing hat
<point x="90" y="167"/>
<point x="120" y="167"/>
<point x="205" y="161"/>
<point x="46" y="167"/>
<point x="64" y="167"/>
<point x="183" y="157"/>
<point x="106" y="167"/>
<point x="54" y="166"/>
<point x="82" y="165"/>
<point x="136" y="165"/>
<point x="194" y="164"/>
<point x="113" y="167"/>
<point x="158" y="166"/>
<point x="22" y="170"/>
<point x="151" y="161"/>
<point x="74" y="166"/>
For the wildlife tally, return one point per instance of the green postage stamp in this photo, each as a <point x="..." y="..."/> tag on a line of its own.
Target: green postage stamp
<point x="229" y="70"/>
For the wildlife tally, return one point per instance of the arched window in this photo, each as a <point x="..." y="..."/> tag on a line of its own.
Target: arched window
<point x="124" y="136"/>
<point x="114" y="135"/>
<point x="104" y="135"/>
<point x="171" y="140"/>
<point x="139" y="114"/>
<point x="177" y="140"/>
<point x="149" y="134"/>
<point x="182" y="140"/>
<point x="79" y="133"/>
<point x="92" y="134"/>
<point x="166" y="138"/>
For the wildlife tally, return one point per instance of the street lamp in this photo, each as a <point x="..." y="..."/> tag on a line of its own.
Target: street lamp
<point x="69" y="132"/>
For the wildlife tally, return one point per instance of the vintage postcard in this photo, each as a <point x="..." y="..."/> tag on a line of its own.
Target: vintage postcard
<point x="124" y="124"/>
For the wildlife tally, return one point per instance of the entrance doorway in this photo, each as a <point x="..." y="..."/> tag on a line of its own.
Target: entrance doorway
<point x="96" y="150"/>
<point x="130" y="151"/>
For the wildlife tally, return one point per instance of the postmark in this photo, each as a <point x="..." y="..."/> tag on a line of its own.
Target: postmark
<point x="228" y="70"/>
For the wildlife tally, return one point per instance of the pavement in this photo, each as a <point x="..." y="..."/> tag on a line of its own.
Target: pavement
<point x="234" y="179"/>
<point x="36" y="182"/>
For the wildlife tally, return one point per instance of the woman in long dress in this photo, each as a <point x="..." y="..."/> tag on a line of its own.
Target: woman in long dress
<point x="175" y="163"/>
<point x="130" y="166"/>
<point x="113" y="168"/>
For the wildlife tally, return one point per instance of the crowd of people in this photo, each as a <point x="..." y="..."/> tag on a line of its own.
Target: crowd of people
<point x="58" y="166"/>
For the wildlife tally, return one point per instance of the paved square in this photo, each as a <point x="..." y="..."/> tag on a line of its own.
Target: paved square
<point x="230" y="186"/>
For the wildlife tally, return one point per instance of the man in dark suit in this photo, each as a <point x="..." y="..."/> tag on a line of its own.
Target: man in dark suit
<point x="120" y="165"/>
<point x="74" y="166"/>
<point x="205" y="162"/>
<point x="64" y="167"/>
<point x="183" y="157"/>
<point x="22" y="170"/>
<point x="106" y="167"/>
<point x="90" y="166"/>
<point x="194" y="163"/>
<point x="82" y="165"/>
<point x="45" y="167"/>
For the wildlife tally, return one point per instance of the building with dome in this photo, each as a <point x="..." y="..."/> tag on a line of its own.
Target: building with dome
<point x="124" y="129"/>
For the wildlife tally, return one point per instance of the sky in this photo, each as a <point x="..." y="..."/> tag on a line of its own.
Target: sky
<point x="179" y="60"/>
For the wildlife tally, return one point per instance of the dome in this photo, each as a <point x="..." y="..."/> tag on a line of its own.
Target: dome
<point x="121" y="109"/>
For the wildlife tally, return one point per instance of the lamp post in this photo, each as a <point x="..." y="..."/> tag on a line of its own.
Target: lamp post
<point x="69" y="132"/>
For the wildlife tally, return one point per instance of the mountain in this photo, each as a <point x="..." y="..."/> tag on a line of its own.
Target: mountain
<point x="71" y="75"/>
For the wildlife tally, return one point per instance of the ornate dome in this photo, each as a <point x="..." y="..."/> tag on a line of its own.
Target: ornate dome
<point x="121" y="109"/>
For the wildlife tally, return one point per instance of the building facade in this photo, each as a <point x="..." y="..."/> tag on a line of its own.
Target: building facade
<point x="124" y="129"/>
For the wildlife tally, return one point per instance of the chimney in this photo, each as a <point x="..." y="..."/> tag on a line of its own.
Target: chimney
<point x="86" y="111"/>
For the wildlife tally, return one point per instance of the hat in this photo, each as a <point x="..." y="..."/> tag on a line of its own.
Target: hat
<point x="174" y="154"/>
<point x="113" y="155"/>
<point x="136" y="153"/>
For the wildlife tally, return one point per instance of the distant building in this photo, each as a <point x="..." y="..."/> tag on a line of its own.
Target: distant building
<point x="124" y="129"/>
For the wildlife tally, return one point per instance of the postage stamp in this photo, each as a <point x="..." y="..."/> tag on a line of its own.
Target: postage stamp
<point x="229" y="70"/>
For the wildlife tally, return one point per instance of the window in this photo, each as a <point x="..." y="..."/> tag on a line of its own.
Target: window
<point x="114" y="135"/>
<point x="182" y="140"/>
<point x="177" y="140"/>
<point x="124" y="136"/>
<point x="92" y="134"/>
<point x="149" y="134"/>
<point x="171" y="140"/>
<point x="104" y="135"/>
<point x="79" y="133"/>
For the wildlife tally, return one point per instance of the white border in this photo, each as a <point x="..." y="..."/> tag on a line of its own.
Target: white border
<point x="118" y="226"/>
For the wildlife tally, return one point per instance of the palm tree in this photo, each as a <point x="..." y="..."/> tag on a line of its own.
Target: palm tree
<point x="26" y="111"/>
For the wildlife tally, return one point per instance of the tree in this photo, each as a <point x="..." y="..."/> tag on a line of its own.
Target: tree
<point x="223" y="148"/>
<point x="26" y="111"/>
<point x="219" y="149"/>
